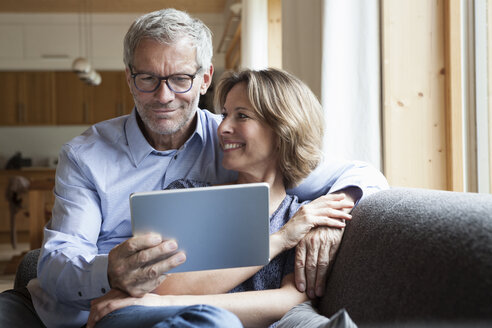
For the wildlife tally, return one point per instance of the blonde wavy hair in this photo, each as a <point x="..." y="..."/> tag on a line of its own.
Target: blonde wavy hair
<point x="289" y="107"/>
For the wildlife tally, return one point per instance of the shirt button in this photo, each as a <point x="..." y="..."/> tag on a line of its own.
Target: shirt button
<point x="103" y="290"/>
<point x="80" y="294"/>
<point x="175" y="157"/>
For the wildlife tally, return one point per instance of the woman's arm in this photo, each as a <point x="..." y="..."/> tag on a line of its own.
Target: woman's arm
<point x="254" y="308"/>
<point x="214" y="281"/>
<point x="205" y="282"/>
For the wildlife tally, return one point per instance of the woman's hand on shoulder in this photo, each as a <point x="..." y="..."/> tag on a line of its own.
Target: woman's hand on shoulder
<point x="326" y="211"/>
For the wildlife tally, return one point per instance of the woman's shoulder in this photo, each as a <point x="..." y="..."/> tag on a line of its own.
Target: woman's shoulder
<point x="289" y="206"/>
<point x="187" y="183"/>
<point x="293" y="204"/>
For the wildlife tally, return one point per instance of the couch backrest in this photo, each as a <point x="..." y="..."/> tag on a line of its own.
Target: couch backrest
<point x="413" y="255"/>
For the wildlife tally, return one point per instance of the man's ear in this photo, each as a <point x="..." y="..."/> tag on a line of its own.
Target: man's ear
<point x="128" y="77"/>
<point x="207" y="79"/>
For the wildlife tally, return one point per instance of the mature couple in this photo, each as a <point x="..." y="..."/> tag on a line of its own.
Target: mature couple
<point x="91" y="270"/>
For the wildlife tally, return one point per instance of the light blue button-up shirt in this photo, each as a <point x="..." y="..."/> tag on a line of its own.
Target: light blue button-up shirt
<point x="96" y="173"/>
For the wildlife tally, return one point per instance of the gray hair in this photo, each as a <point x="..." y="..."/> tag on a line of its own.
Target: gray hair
<point x="168" y="26"/>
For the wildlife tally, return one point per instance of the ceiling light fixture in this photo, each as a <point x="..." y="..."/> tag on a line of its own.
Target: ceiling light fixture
<point x="82" y="65"/>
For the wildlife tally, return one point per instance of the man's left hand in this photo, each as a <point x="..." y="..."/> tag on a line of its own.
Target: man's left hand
<point x="316" y="251"/>
<point x="313" y="256"/>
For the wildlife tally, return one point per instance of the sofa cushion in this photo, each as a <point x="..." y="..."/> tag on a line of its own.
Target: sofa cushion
<point x="415" y="255"/>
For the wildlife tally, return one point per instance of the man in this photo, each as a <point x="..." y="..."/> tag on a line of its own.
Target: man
<point x="88" y="247"/>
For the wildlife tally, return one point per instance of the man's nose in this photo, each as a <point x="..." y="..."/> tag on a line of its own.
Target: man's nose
<point x="164" y="93"/>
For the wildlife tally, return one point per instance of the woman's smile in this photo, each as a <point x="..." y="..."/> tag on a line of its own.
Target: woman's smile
<point x="231" y="145"/>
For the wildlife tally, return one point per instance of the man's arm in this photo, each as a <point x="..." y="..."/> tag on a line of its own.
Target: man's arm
<point x="70" y="268"/>
<point x="74" y="265"/>
<point x="338" y="175"/>
<point x="313" y="254"/>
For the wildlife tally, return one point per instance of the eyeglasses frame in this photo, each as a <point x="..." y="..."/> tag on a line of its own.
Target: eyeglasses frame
<point x="163" y="78"/>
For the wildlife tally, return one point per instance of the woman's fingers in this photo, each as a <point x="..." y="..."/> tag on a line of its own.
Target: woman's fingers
<point x="335" y="214"/>
<point x="322" y="221"/>
<point x="108" y="303"/>
<point x="329" y="202"/>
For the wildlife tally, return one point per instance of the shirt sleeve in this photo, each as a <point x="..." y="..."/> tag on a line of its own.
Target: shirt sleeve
<point x="335" y="175"/>
<point x="69" y="267"/>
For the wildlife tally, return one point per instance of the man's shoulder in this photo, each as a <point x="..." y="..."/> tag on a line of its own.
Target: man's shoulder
<point x="208" y="118"/>
<point x="103" y="133"/>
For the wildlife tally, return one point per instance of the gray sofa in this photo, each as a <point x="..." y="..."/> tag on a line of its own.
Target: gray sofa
<point x="415" y="257"/>
<point x="408" y="258"/>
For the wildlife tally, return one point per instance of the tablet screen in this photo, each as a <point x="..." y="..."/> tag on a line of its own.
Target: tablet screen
<point x="217" y="227"/>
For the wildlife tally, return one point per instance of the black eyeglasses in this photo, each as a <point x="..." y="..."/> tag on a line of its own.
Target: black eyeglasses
<point x="178" y="83"/>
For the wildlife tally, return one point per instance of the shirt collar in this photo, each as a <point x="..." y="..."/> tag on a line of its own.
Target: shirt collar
<point x="199" y="130"/>
<point x="139" y="146"/>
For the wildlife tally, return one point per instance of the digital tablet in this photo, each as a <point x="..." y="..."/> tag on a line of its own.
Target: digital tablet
<point x="217" y="227"/>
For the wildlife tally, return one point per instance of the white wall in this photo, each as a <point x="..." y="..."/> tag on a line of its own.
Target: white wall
<point x="41" y="144"/>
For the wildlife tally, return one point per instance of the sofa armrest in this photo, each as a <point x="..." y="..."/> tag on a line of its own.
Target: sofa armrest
<point x="27" y="268"/>
<point x="414" y="255"/>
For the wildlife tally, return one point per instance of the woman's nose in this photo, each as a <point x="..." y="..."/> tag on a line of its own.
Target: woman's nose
<point x="224" y="127"/>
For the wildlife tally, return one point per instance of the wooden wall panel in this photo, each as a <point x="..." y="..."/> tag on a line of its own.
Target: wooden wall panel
<point x="414" y="120"/>
<point x="489" y="40"/>
<point x="454" y="106"/>
<point x="275" y="33"/>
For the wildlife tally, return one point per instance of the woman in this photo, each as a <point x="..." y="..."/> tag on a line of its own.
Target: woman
<point x="272" y="131"/>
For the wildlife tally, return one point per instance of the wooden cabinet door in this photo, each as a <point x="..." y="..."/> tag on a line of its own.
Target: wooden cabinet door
<point x="26" y="98"/>
<point x="9" y="98"/>
<point x="107" y="97"/>
<point x="72" y="99"/>
<point x="36" y="98"/>
<point x="40" y="98"/>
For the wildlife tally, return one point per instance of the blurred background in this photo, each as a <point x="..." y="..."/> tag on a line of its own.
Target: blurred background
<point x="404" y="83"/>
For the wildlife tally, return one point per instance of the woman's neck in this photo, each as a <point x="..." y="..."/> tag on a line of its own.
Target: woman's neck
<point x="277" y="188"/>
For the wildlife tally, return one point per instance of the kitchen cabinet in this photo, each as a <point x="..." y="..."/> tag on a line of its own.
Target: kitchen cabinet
<point x="111" y="98"/>
<point x="26" y="98"/>
<point x="79" y="103"/>
<point x="51" y="41"/>
<point x="36" y="92"/>
<point x="71" y="99"/>
<point x="61" y="98"/>
<point x="8" y="98"/>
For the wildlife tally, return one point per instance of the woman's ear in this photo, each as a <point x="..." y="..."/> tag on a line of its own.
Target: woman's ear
<point x="207" y="80"/>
